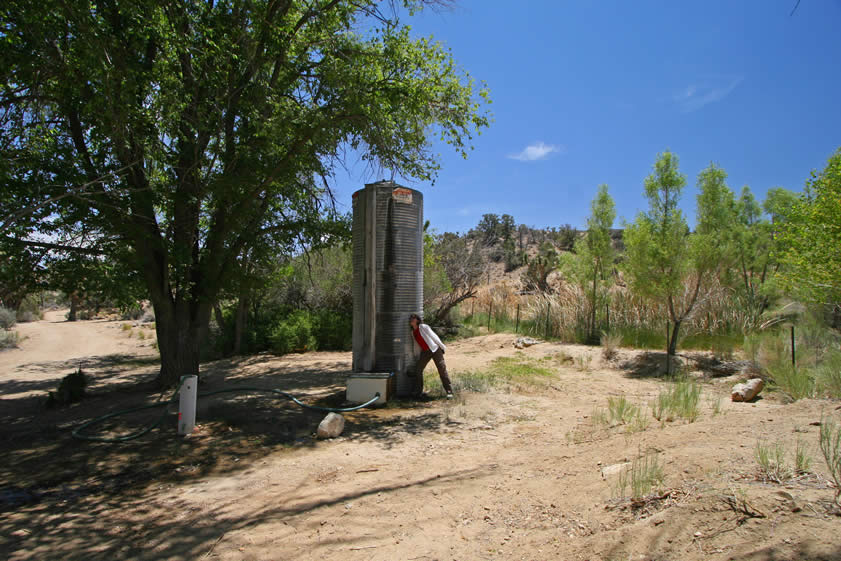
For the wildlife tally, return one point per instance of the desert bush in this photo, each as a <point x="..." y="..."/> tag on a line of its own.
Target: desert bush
<point x="830" y="443"/>
<point x="796" y="383"/>
<point x="610" y="345"/>
<point x="8" y="339"/>
<point x="8" y="318"/>
<point x="70" y="390"/>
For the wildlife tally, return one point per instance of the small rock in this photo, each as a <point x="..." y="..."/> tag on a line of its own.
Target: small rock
<point x="748" y="390"/>
<point x="698" y="534"/>
<point x="331" y="426"/>
<point x="614" y="469"/>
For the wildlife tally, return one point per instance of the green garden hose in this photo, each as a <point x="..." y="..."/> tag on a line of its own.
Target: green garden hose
<point x="79" y="434"/>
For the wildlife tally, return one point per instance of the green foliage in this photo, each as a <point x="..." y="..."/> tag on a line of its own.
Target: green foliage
<point x="802" y="457"/>
<point x="71" y="389"/>
<point x="591" y="265"/>
<point x="539" y="268"/>
<point x="810" y="236"/>
<point x="294" y="334"/>
<point x="206" y="132"/>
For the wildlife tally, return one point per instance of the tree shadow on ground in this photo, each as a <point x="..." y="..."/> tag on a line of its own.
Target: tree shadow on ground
<point x="650" y="364"/>
<point x="131" y="527"/>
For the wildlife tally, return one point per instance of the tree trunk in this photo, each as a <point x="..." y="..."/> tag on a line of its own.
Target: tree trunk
<point x="74" y="306"/>
<point x="673" y="339"/>
<point x="180" y="326"/>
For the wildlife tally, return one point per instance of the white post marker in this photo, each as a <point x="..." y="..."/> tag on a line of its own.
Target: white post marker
<point x="187" y="404"/>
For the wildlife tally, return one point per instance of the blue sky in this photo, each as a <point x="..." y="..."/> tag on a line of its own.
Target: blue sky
<point x="588" y="92"/>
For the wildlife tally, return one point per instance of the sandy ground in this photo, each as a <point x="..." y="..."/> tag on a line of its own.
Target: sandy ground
<point x="514" y="473"/>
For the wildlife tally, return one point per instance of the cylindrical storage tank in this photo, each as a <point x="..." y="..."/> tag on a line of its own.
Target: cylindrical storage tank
<point x="387" y="277"/>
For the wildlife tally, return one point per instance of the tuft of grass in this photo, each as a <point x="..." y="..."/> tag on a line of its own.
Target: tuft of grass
<point x="582" y="362"/>
<point x="796" y="383"/>
<point x="679" y="401"/>
<point x="830" y="443"/>
<point x="802" y="458"/>
<point x="141" y="335"/>
<point x="772" y="462"/>
<point x="621" y="410"/>
<point x="610" y="345"/>
<point x="645" y="475"/>
<point x="9" y="339"/>
<point x="126" y="327"/>
<point x="715" y="405"/>
<point x="828" y="375"/>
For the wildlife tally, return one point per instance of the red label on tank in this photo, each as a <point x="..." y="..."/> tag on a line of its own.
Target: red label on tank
<point x="402" y="195"/>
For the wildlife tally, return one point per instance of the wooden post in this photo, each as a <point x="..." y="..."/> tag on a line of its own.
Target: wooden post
<point x="793" y="361"/>
<point x="548" y="315"/>
<point x="517" y="321"/>
<point x="472" y="307"/>
<point x="668" y="358"/>
<point x="490" y="311"/>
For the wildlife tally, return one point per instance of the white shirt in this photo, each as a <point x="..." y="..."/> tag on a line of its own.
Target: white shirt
<point x="430" y="338"/>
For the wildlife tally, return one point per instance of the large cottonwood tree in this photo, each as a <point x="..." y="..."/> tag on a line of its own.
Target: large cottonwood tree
<point x="188" y="132"/>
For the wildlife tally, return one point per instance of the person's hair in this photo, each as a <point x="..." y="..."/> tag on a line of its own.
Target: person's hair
<point x="417" y="317"/>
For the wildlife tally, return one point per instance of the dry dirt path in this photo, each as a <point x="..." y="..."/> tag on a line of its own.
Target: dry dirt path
<point x="53" y="347"/>
<point x="513" y="474"/>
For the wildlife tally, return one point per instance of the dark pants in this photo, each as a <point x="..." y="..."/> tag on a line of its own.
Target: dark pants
<point x="423" y="360"/>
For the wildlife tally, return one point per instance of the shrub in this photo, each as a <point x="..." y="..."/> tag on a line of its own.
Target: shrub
<point x="8" y="318"/>
<point x="796" y="383"/>
<point x="294" y="334"/>
<point x="70" y="390"/>
<point x="8" y="339"/>
<point x="610" y="345"/>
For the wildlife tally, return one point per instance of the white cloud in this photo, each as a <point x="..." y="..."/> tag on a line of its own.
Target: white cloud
<point x="536" y="151"/>
<point x="697" y="96"/>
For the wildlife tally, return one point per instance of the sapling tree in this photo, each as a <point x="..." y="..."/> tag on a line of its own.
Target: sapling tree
<point x="591" y="266"/>
<point x="664" y="261"/>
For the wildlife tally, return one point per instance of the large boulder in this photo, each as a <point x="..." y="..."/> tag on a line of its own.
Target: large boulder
<point x="748" y="390"/>
<point x="331" y="426"/>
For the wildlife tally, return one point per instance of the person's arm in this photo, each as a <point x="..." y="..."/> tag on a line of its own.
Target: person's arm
<point x="430" y="335"/>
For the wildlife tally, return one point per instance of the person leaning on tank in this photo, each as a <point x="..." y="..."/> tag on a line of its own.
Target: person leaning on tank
<point x="427" y="346"/>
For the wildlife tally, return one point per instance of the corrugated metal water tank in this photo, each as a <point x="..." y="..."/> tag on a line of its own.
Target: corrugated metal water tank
<point x="387" y="277"/>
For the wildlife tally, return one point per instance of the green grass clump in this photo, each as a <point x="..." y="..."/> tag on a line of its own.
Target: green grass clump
<point x="621" y="410"/>
<point x="645" y="475"/>
<point x="796" y="383"/>
<point x="772" y="462"/>
<point x="679" y="401"/>
<point x="518" y="370"/>
<point x="830" y="442"/>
